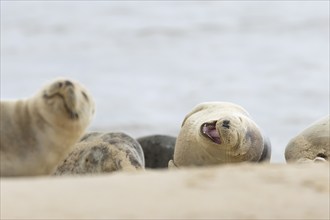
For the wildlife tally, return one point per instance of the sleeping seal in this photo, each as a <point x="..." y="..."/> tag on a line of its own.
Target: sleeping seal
<point x="103" y="153"/>
<point x="217" y="133"/>
<point x="310" y="145"/>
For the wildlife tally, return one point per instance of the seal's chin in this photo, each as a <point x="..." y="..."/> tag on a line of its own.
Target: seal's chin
<point x="209" y="130"/>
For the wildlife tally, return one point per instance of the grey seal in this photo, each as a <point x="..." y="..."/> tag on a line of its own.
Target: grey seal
<point x="310" y="145"/>
<point x="38" y="132"/>
<point x="158" y="150"/>
<point x="217" y="133"/>
<point x="99" y="152"/>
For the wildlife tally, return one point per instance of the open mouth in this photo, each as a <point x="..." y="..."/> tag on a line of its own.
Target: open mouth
<point x="209" y="130"/>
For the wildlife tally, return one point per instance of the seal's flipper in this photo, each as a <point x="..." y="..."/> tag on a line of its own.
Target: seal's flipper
<point x="171" y="165"/>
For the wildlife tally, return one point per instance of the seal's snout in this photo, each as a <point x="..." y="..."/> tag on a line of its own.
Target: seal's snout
<point x="226" y="123"/>
<point x="65" y="90"/>
<point x="68" y="83"/>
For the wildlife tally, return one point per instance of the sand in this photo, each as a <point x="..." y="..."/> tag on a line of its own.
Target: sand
<point x="245" y="191"/>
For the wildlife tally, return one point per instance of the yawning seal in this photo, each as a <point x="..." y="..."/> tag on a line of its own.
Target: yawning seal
<point x="217" y="133"/>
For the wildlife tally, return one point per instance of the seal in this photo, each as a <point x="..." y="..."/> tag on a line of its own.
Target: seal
<point x="99" y="152"/>
<point x="38" y="132"/>
<point x="310" y="145"/>
<point x="158" y="150"/>
<point x="217" y="133"/>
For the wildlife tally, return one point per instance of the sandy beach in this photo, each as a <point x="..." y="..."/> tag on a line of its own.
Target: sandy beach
<point x="147" y="64"/>
<point x="245" y="191"/>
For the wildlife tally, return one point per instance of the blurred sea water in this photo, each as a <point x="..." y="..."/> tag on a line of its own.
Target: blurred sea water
<point x="148" y="63"/>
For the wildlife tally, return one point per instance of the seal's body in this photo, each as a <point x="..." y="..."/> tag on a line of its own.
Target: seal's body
<point x="103" y="153"/>
<point x="310" y="145"/>
<point x="36" y="133"/>
<point x="158" y="150"/>
<point x="217" y="133"/>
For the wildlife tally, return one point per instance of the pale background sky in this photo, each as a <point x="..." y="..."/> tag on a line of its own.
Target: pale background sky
<point x="148" y="64"/>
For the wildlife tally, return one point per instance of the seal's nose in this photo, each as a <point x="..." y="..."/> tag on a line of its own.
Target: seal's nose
<point x="226" y="123"/>
<point x="68" y="83"/>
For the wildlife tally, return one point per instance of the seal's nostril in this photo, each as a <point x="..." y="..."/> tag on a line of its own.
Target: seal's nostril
<point x="68" y="83"/>
<point x="226" y="122"/>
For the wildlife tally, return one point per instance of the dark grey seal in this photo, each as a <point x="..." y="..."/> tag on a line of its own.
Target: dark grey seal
<point x="158" y="150"/>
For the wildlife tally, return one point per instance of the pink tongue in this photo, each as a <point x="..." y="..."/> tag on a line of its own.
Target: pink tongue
<point x="213" y="133"/>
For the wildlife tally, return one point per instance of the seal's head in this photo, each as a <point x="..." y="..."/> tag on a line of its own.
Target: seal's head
<point x="230" y="138"/>
<point x="215" y="133"/>
<point x="311" y="144"/>
<point x="66" y="102"/>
